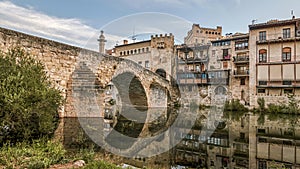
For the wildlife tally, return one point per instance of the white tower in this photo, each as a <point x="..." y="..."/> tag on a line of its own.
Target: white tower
<point x="102" y="43"/>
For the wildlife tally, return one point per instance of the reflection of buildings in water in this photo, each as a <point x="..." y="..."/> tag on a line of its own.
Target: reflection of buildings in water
<point x="243" y="143"/>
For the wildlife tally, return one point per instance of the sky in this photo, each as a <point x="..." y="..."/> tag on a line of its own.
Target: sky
<point x="78" y="22"/>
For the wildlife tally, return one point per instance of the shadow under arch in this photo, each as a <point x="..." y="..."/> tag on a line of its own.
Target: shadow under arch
<point x="133" y="111"/>
<point x="131" y="91"/>
<point x="161" y="72"/>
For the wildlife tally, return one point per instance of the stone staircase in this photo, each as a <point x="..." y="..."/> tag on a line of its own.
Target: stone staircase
<point x="85" y="89"/>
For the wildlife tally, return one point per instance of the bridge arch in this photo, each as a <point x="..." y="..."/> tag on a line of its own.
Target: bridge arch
<point x="131" y="90"/>
<point x="161" y="72"/>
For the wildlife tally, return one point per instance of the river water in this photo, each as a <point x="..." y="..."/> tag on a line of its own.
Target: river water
<point x="192" y="138"/>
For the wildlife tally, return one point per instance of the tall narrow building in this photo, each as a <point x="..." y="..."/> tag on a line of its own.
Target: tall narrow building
<point x="102" y="43"/>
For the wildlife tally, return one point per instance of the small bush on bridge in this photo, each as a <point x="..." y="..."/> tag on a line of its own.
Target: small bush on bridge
<point x="28" y="103"/>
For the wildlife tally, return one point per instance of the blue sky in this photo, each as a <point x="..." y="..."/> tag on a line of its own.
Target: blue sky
<point x="78" y="22"/>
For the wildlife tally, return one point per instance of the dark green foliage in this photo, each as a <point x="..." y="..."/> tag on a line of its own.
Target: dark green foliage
<point x="293" y="107"/>
<point x="261" y="104"/>
<point x="28" y="104"/>
<point x="234" y="105"/>
<point x="290" y="108"/>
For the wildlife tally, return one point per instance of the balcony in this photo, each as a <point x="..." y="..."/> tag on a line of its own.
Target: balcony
<point x="193" y="60"/>
<point x="218" y="81"/>
<point x="240" y="73"/>
<point x="242" y="48"/>
<point x="192" y="78"/>
<point x="241" y="154"/>
<point x="225" y="58"/>
<point x="278" y="38"/>
<point x="240" y="59"/>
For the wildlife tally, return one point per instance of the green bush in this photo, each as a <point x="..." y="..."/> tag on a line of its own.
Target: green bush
<point x="234" y="105"/>
<point x="28" y="102"/>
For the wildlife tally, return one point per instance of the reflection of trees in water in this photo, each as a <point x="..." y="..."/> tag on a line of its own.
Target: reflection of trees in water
<point x="234" y="116"/>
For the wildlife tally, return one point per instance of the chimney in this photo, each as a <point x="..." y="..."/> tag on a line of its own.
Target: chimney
<point x="125" y="42"/>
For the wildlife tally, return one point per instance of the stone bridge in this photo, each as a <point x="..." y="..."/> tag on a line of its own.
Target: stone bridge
<point x="103" y="87"/>
<point x="62" y="60"/>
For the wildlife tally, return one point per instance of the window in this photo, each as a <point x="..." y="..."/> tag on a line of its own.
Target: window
<point x="262" y="55"/>
<point x="198" y="68"/>
<point x="262" y="35"/>
<point x="262" y="82"/>
<point x="262" y="140"/>
<point x="261" y="90"/>
<point x="241" y="45"/>
<point x="213" y="52"/>
<point x="147" y="64"/>
<point x="287" y="83"/>
<point x="242" y="136"/>
<point x="262" y="165"/>
<point x="286" y="54"/>
<point x="225" y="65"/>
<point x="287" y="33"/>
<point x="140" y="62"/>
<point x="261" y="131"/>
<point x="288" y="91"/>
<point x="243" y="81"/>
<point x="226" y="54"/>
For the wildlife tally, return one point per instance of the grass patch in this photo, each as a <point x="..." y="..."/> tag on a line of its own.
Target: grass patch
<point x="38" y="154"/>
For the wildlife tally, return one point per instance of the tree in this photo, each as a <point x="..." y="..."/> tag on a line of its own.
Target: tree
<point x="28" y="103"/>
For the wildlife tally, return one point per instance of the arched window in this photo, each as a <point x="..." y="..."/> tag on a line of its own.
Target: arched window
<point x="286" y="54"/>
<point x="147" y="49"/>
<point x="135" y="51"/>
<point x="121" y="53"/>
<point x="143" y="50"/>
<point x="139" y="50"/>
<point x="220" y="90"/>
<point x="128" y="52"/>
<point x="262" y="55"/>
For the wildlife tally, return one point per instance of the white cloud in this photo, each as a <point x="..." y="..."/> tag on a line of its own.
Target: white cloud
<point x="67" y="30"/>
<point x="75" y="32"/>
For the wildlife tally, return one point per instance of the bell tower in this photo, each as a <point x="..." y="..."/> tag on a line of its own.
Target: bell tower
<point x="102" y="43"/>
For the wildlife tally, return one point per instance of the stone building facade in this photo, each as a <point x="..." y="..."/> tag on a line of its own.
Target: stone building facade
<point x="202" y="36"/>
<point x="214" y="72"/>
<point x="156" y="54"/>
<point x="193" y="59"/>
<point x="274" y="62"/>
<point x="229" y="62"/>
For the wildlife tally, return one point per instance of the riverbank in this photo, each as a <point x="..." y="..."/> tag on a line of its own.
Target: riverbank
<point x="50" y="154"/>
